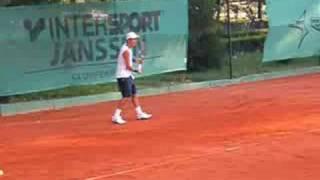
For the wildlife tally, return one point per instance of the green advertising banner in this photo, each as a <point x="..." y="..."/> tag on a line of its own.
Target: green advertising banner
<point x="294" y="29"/>
<point x="49" y="47"/>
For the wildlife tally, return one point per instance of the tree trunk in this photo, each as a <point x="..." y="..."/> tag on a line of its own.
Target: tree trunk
<point x="218" y="9"/>
<point x="260" y="3"/>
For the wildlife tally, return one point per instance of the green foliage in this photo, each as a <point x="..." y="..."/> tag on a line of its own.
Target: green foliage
<point x="205" y="47"/>
<point x="250" y="43"/>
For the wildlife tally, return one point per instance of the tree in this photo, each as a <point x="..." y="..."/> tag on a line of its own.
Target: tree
<point x="260" y="10"/>
<point x="205" y="47"/>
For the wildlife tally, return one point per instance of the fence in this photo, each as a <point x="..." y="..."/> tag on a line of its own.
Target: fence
<point x="238" y="54"/>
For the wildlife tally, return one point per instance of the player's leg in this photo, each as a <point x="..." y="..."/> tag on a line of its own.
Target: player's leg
<point x="135" y="101"/>
<point x="121" y="105"/>
<point x="125" y="89"/>
<point x="141" y="115"/>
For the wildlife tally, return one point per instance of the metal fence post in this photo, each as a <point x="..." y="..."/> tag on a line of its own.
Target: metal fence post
<point x="229" y="40"/>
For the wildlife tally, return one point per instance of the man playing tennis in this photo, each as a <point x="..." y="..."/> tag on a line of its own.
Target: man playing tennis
<point x="125" y="78"/>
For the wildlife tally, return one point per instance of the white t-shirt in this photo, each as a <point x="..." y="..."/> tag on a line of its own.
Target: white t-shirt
<point x="122" y="71"/>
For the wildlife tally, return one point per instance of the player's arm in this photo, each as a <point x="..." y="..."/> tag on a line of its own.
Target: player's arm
<point x="126" y="57"/>
<point x="127" y="60"/>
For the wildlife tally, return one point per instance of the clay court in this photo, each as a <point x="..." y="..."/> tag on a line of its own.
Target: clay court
<point x="254" y="131"/>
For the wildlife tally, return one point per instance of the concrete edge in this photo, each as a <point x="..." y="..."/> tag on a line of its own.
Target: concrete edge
<point x="55" y="104"/>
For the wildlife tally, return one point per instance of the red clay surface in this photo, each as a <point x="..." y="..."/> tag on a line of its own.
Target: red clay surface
<point x="268" y="130"/>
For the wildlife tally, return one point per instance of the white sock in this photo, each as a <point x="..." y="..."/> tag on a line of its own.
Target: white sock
<point x="139" y="110"/>
<point x="117" y="112"/>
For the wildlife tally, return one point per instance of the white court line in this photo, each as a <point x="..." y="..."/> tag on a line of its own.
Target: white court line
<point x="151" y="166"/>
<point x="43" y="122"/>
<point x="314" y="131"/>
<point x="232" y="149"/>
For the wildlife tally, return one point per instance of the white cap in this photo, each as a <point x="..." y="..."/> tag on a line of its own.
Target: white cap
<point x="132" y="35"/>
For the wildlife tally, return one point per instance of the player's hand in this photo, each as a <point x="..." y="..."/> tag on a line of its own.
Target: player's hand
<point x="139" y="61"/>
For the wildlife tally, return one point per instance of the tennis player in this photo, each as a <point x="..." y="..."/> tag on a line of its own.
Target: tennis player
<point x="125" y="78"/>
